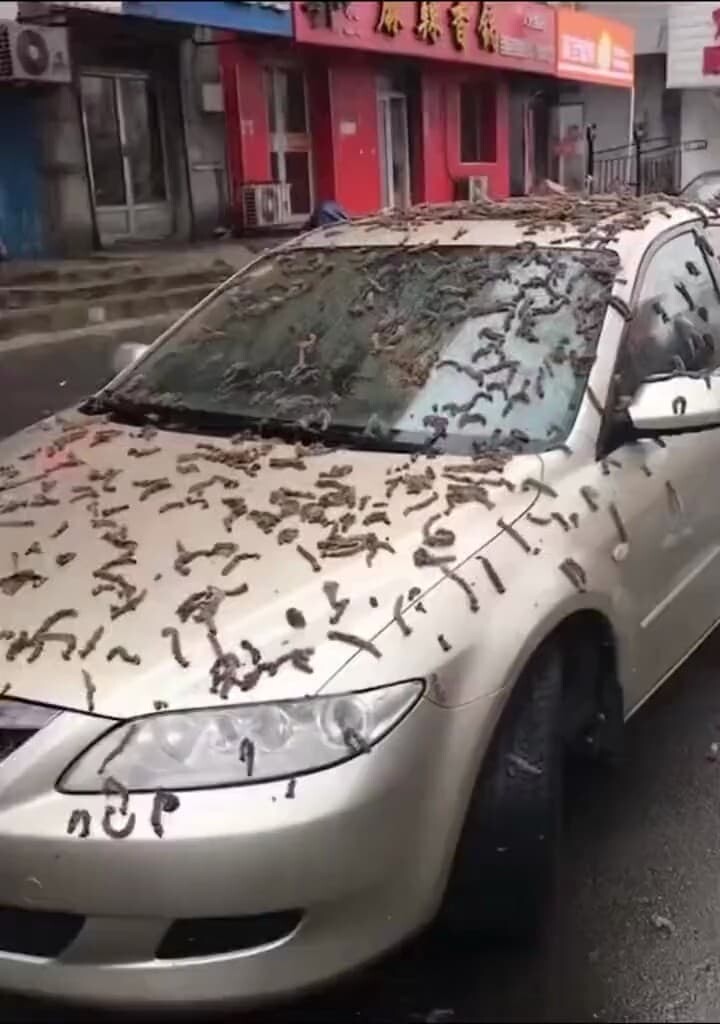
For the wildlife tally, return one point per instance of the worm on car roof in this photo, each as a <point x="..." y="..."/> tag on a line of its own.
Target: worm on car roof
<point x="590" y="495"/>
<point x="90" y="690"/>
<point x="130" y="605"/>
<point x="444" y="643"/>
<point x="559" y="518"/>
<point x="539" y="486"/>
<point x="330" y="589"/>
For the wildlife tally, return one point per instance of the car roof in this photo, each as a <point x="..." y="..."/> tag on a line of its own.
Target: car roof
<point x="625" y="224"/>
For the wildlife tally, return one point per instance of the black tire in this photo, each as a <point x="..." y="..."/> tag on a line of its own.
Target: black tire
<point x="503" y="876"/>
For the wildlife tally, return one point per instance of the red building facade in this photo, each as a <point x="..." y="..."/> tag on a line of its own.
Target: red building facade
<point x="383" y="104"/>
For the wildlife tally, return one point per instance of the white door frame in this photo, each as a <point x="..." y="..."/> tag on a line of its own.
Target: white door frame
<point x="279" y="139"/>
<point x="387" y="146"/>
<point x="130" y="207"/>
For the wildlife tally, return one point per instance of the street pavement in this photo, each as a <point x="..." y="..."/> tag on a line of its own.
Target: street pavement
<point x="637" y="932"/>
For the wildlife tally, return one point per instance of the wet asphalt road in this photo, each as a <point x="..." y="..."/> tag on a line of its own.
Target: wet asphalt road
<point x="637" y="933"/>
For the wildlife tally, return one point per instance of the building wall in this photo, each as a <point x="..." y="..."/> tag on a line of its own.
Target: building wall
<point x="691" y="28"/>
<point x="649" y="20"/>
<point x="700" y="120"/>
<point x="353" y="101"/>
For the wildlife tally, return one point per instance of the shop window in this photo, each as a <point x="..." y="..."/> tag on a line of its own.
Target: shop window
<point x="477" y="124"/>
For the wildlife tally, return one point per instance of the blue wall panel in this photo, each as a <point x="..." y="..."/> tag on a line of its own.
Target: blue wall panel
<point x="20" y="196"/>
<point x="269" y="19"/>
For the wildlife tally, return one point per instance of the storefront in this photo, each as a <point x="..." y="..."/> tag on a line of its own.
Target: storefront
<point x="595" y="80"/>
<point x="383" y="104"/>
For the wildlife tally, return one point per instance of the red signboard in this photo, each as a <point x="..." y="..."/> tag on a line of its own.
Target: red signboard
<point x="711" y="54"/>
<point x="504" y="35"/>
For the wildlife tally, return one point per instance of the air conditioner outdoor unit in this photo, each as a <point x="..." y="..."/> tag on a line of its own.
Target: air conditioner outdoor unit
<point x="477" y="188"/>
<point x="266" y="205"/>
<point x="33" y="53"/>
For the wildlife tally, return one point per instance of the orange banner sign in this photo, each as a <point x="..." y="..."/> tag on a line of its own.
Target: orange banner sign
<point x="593" y="49"/>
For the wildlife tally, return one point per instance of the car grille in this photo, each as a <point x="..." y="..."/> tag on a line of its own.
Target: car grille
<point x="37" y="932"/>
<point x="212" y="936"/>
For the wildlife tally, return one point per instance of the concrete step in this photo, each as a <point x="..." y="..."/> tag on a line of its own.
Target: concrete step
<point x="139" y="329"/>
<point x="64" y="316"/>
<point x="29" y="296"/>
<point x="67" y="271"/>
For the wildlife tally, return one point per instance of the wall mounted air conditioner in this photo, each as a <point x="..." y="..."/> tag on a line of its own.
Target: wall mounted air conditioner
<point x="477" y="188"/>
<point x="265" y="205"/>
<point x="33" y="53"/>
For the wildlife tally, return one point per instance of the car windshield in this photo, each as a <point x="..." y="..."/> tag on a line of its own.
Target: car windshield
<point x="461" y="347"/>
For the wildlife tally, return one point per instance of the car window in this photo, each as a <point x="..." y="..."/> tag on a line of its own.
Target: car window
<point x="676" y="318"/>
<point x="480" y="344"/>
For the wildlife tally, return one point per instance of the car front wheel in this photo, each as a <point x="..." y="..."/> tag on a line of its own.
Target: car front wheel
<point x="504" y="870"/>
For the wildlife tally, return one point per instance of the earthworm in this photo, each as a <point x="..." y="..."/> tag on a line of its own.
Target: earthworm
<point x="151" y="487"/>
<point x="290" y="791"/>
<point x="52" y="620"/>
<point x="492" y="574"/>
<point x="10" y="585"/>
<point x="235" y="561"/>
<point x="559" y="518"/>
<point x="117" y="750"/>
<point x="354" y="641"/>
<point x="90" y="690"/>
<point x="594" y="401"/>
<point x="620" y="306"/>
<point x="679" y="405"/>
<point x="590" y="495"/>
<point x="539" y="486"/>
<point x="374" y="602"/>
<point x="108" y="513"/>
<point x="117" y="563"/>
<point x="247" y="755"/>
<point x="575" y="573"/>
<point x="619" y="525"/>
<point x="160" y="705"/>
<point x="441" y="538"/>
<point x="288" y="535"/>
<point x="117" y="833"/>
<point x="164" y="802"/>
<point x="69" y="639"/>
<point x="421" y="504"/>
<point x="444" y="643"/>
<point x="255" y="655"/>
<point x="170" y="506"/>
<point x="422" y="559"/>
<point x="464" y="585"/>
<point x="17" y="523"/>
<point x="237" y="591"/>
<point x="79" y="817"/>
<point x="141" y="453"/>
<point x="308" y="557"/>
<point x="397" y="616"/>
<point x="377" y="517"/>
<point x="130" y="605"/>
<point x="111" y="787"/>
<point x="512" y="532"/>
<point x="121" y="652"/>
<point x="330" y="589"/>
<point x="574" y="519"/>
<point x="92" y="643"/>
<point x="295" y="618"/>
<point x="174" y="635"/>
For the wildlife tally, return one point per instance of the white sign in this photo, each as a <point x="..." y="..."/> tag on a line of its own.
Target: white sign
<point x="692" y="30"/>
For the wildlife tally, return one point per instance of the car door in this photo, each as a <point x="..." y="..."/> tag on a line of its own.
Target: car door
<point x="675" y="326"/>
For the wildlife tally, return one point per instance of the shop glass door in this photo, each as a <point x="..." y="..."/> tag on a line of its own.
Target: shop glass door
<point x="123" y="133"/>
<point x="290" y="145"/>
<point x="394" y="149"/>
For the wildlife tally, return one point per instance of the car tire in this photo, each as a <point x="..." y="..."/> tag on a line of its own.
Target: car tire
<point x="503" y="876"/>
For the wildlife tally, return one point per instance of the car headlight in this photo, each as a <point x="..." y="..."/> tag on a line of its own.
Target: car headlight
<point x="240" y="744"/>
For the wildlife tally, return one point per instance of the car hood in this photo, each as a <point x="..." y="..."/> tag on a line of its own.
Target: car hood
<point x="141" y="569"/>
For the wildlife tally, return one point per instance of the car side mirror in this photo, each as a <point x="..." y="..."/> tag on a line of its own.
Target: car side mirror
<point x="673" y="405"/>
<point x="127" y="354"/>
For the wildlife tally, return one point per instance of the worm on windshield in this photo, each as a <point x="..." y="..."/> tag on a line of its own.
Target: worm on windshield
<point x="561" y="520"/>
<point x="397" y="616"/>
<point x="247" y="755"/>
<point x="590" y="495"/>
<point x="444" y="643"/>
<point x="539" y="486"/>
<point x="117" y="833"/>
<point x="330" y="589"/>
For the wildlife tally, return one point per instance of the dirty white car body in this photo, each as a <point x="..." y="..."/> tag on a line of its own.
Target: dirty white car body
<point x="325" y="862"/>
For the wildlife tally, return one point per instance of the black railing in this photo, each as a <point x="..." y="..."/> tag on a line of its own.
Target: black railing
<point x="642" y="166"/>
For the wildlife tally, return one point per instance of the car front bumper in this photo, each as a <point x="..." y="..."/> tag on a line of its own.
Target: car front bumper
<point x="362" y="850"/>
